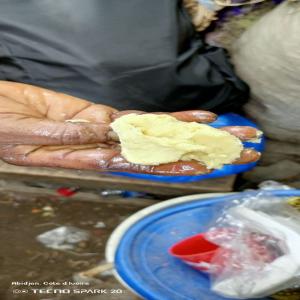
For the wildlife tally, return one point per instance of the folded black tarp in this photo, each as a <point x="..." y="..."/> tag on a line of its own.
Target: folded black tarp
<point x="133" y="54"/>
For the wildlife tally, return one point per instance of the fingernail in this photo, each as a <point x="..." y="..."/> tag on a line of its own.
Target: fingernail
<point x="111" y="135"/>
<point x="248" y="156"/>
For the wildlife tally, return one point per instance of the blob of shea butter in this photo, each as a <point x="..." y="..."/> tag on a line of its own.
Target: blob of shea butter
<point x="151" y="139"/>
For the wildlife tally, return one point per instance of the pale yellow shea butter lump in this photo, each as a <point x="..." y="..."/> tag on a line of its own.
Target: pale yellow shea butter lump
<point x="151" y="139"/>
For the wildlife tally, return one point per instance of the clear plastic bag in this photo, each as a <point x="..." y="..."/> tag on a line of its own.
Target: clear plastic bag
<point x="63" y="238"/>
<point x="259" y="240"/>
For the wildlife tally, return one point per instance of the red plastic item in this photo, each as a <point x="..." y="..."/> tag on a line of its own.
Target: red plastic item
<point x="198" y="252"/>
<point x="67" y="192"/>
<point x="195" y="251"/>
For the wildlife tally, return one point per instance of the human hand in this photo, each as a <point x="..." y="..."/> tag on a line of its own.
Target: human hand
<point x="43" y="128"/>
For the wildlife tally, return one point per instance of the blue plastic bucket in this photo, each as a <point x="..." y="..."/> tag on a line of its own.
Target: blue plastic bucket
<point x="139" y="247"/>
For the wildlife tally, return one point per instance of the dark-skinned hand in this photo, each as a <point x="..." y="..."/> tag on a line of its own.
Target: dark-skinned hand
<point x="39" y="127"/>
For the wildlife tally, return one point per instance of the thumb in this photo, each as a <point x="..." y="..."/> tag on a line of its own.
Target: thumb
<point x="46" y="132"/>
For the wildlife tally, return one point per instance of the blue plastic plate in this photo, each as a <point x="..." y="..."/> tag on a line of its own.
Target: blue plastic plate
<point x="229" y="119"/>
<point x="142" y="260"/>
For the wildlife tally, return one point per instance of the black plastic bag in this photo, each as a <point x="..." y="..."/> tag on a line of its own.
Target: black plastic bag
<point x="133" y="54"/>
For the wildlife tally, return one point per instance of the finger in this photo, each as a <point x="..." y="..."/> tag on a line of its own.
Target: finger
<point x="248" y="155"/>
<point x="244" y="133"/>
<point x="93" y="157"/>
<point x="122" y="113"/>
<point x="55" y="106"/>
<point x="27" y="130"/>
<point x="199" y="116"/>
<point x="95" y="113"/>
<point x="179" y="168"/>
<point x="118" y="163"/>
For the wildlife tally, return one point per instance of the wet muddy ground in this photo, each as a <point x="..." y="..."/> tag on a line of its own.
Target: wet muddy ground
<point x="24" y="259"/>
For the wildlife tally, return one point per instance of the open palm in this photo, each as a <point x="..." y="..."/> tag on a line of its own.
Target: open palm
<point x="39" y="127"/>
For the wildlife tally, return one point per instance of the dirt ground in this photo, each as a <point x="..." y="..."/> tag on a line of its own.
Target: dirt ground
<point x="24" y="259"/>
